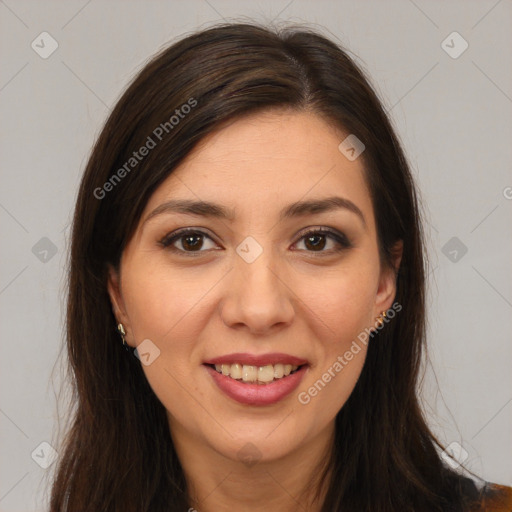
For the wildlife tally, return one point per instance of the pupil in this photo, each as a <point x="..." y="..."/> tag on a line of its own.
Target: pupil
<point x="318" y="244"/>
<point x="192" y="245"/>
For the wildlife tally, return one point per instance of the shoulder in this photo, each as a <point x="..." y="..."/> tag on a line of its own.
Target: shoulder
<point x="495" y="498"/>
<point x="483" y="496"/>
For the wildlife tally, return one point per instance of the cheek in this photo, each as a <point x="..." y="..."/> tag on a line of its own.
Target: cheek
<point x="343" y="301"/>
<point x="343" y="309"/>
<point x="162" y="305"/>
<point x="165" y="308"/>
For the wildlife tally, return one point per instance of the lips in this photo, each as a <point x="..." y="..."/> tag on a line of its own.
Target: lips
<point x="257" y="394"/>
<point x="269" y="392"/>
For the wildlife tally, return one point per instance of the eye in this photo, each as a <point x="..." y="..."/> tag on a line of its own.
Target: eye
<point x="315" y="240"/>
<point x="192" y="241"/>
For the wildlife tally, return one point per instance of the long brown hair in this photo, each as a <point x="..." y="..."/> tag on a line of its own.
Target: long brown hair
<point x="118" y="454"/>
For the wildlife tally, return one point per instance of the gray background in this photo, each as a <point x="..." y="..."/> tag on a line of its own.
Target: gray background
<point x="452" y="114"/>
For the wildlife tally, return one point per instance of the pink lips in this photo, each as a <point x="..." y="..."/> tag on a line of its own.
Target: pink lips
<point x="257" y="394"/>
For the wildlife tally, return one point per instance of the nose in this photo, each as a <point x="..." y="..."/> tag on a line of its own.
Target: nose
<point x="257" y="297"/>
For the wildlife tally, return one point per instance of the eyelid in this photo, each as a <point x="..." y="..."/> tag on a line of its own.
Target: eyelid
<point x="339" y="237"/>
<point x="168" y="240"/>
<point x="341" y="241"/>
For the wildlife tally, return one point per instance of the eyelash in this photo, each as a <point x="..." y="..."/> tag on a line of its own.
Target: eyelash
<point x="339" y="238"/>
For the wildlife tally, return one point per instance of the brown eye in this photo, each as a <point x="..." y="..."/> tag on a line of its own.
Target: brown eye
<point x="317" y="240"/>
<point x="192" y="242"/>
<point x="186" y="241"/>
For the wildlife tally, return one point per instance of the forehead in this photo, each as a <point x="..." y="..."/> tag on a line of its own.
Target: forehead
<point x="263" y="161"/>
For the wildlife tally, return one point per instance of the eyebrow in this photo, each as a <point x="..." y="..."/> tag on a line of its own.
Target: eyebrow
<point x="297" y="209"/>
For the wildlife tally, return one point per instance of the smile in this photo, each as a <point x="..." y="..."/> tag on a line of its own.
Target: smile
<point x="268" y="380"/>
<point x="259" y="374"/>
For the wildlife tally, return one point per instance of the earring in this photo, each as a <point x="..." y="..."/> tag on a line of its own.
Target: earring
<point x="122" y="332"/>
<point x="380" y="318"/>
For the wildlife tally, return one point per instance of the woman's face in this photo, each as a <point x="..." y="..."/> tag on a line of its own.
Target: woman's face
<point x="257" y="289"/>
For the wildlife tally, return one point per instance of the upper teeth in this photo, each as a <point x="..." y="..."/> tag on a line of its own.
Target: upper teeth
<point x="249" y="373"/>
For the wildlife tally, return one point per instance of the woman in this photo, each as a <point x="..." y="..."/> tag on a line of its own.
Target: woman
<point x="248" y="225"/>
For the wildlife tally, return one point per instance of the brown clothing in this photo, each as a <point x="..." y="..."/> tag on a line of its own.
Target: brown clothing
<point x="495" y="498"/>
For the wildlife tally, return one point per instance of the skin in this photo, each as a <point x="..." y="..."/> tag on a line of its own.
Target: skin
<point x="295" y="299"/>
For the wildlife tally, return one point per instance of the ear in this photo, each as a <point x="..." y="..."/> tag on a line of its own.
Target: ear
<point x="387" y="282"/>
<point x="116" y="299"/>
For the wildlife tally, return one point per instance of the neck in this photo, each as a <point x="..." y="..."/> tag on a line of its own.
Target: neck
<point x="217" y="483"/>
